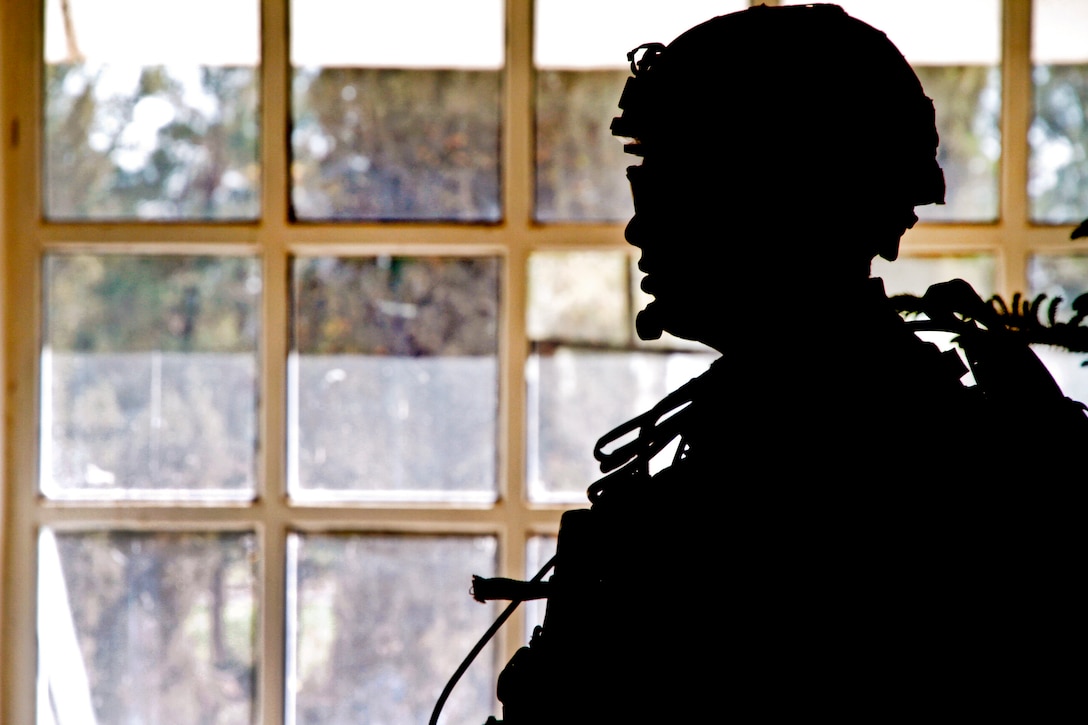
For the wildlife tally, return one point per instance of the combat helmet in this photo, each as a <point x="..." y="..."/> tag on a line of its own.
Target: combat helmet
<point x="785" y="93"/>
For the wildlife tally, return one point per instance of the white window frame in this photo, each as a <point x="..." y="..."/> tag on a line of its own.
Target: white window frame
<point x="25" y="237"/>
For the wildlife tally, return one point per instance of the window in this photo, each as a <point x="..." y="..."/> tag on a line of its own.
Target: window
<point x="140" y="122"/>
<point x="307" y="322"/>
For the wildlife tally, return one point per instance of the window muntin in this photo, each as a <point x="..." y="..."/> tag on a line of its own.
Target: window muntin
<point x="142" y="123"/>
<point x="394" y="378"/>
<point x="277" y="236"/>
<point x="149" y="377"/>
<point x="1058" y="138"/>
<point x="397" y="118"/>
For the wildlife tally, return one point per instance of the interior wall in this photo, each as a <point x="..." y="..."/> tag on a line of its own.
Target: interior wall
<point x="3" y="308"/>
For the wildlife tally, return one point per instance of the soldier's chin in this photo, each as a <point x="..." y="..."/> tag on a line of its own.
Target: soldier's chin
<point x="658" y="318"/>
<point x="649" y="322"/>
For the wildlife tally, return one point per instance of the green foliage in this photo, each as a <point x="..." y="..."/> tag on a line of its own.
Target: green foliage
<point x="396" y="306"/>
<point x="135" y="303"/>
<point x="152" y="142"/>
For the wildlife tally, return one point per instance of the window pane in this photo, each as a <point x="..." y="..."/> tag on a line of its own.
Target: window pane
<point x="580" y="56"/>
<point x="394" y="378"/>
<point x="149" y="377"/>
<point x="576" y="396"/>
<point x="151" y="109"/>
<point x="378" y="625"/>
<point x="394" y="119"/>
<point x="955" y="48"/>
<point x="1064" y="276"/>
<point x="586" y="373"/>
<point x="914" y="274"/>
<point x="1058" y="139"/>
<point x="579" y="297"/>
<point x="147" y="628"/>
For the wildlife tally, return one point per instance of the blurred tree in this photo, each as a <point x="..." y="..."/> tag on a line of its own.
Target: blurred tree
<point x="157" y="142"/>
<point x="967" y="103"/>
<point x="152" y="370"/>
<point x="1059" y="145"/>
<point x="579" y="163"/>
<point x="394" y="633"/>
<point x="396" y="306"/>
<point x="374" y="143"/>
<point x="137" y="303"/>
<point x="166" y="624"/>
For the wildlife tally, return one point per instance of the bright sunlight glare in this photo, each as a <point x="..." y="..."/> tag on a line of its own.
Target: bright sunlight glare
<point x="572" y="34"/>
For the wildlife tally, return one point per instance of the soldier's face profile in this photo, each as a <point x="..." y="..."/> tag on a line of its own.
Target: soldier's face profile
<point x="684" y="223"/>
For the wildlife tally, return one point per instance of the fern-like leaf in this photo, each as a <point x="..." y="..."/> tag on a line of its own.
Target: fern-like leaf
<point x="1052" y="311"/>
<point x="1080" y="308"/>
<point x="1035" y="305"/>
<point x="1014" y="305"/>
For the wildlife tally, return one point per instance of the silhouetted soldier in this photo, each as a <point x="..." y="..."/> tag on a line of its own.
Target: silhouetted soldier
<point x="848" y="530"/>
<point x="783" y="149"/>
